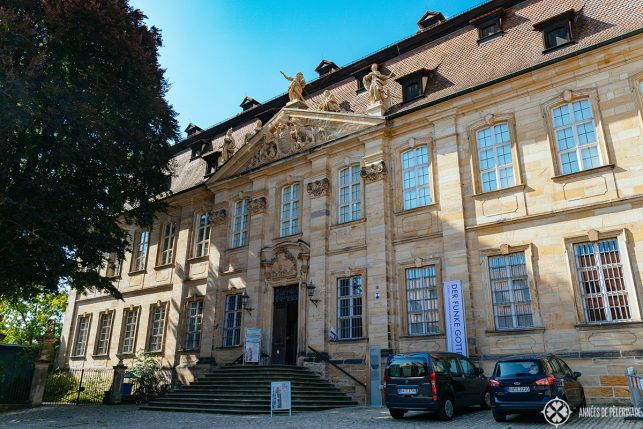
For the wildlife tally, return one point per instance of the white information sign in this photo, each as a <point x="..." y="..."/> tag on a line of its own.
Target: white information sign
<point x="280" y="396"/>
<point x="252" y="346"/>
<point x="454" y="316"/>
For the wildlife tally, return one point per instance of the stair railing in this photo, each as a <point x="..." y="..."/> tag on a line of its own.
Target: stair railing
<point x="343" y="371"/>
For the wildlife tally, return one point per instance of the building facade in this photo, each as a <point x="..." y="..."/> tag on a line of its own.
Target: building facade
<point x="500" y="149"/>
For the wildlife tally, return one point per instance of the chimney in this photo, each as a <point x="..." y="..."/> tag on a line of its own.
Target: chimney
<point x="430" y="19"/>
<point x="248" y="103"/>
<point x="326" y="67"/>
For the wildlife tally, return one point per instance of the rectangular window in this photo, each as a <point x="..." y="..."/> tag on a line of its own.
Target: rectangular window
<point x="157" y="328"/>
<point x="411" y="91"/>
<point x="104" y="333"/>
<point x="240" y="224"/>
<point x="415" y="178"/>
<point x="82" y="332"/>
<point x="193" y="325"/>
<point x="575" y="133"/>
<point x="113" y="268"/>
<point x="289" y="210"/>
<point x="130" y="322"/>
<point x="350" y="194"/>
<point x="600" y="276"/>
<point x="140" y="252"/>
<point x="202" y="236"/>
<point x="422" y="301"/>
<point x="349" y="307"/>
<point x="167" y="244"/>
<point x="494" y="155"/>
<point x="510" y="292"/>
<point x="232" y="321"/>
<point x="557" y="35"/>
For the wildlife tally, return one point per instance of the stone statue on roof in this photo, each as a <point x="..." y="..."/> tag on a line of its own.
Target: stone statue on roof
<point x="375" y="84"/>
<point x="330" y="103"/>
<point x="229" y="145"/>
<point x="296" y="88"/>
<point x="257" y="128"/>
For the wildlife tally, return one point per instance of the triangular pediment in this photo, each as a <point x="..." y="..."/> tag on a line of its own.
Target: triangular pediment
<point x="289" y="132"/>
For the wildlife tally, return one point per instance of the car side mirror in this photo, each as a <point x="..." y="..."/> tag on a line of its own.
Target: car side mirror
<point x="577" y="375"/>
<point x="479" y="371"/>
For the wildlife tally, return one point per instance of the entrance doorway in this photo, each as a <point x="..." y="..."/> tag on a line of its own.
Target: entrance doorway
<point x="284" y="325"/>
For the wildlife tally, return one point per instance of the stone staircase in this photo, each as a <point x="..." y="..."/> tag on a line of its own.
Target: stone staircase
<point x="246" y="390"/>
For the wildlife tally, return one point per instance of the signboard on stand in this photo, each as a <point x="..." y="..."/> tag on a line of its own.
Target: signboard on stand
<point x="454" y="316"/>
<point x="252" y="346"/>
<point x="280" y="399"/>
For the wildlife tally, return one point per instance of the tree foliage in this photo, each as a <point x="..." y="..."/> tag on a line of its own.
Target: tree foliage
<point x="25" y="321"/>
<point x="85" y="131"/>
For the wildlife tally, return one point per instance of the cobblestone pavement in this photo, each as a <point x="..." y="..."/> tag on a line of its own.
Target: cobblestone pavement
<point x="129" y="416"/>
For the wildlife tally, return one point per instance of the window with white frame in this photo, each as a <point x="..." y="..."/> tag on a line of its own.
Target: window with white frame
<point x="193" y="323"/>
<point x="350" y="194"/>
<point x="240" y="224"/>
<point x="422" y="301"/>
<point x="202" y="236"/>
<point x="167" y="243"/>
<point x="82" y="332"/>
<point x="232" y="321"/>
<point x="600" y="277"/>
<point x="130" y="321"/>
<point x="104" y="333"/>
<point x="510" y="292"/>
<point x="157" y="328"/>
<point x="113" y="268"/>
<point x="494" y="155"/>
<point x="140" y="252"/>
<point x="575" y="135"/>
<point x="289" y="210"/>
<point x="415" y="178"/>
<point x="349" y="307"/>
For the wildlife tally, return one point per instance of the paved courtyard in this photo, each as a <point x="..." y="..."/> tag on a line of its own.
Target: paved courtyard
<point x="357" y="417"/>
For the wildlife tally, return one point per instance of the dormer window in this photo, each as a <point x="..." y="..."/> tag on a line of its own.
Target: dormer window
<point x="211" y="162"/>
<point x="196" y="151"/>
<point x="359" y="76"/>
<point x="557" y="30"/>
<point x="489" y="25"/>
<point x="414" y="84"/>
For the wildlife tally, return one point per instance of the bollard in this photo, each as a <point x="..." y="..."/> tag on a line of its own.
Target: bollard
<point x="117" y="382"/>
<point x="635" y="384"/>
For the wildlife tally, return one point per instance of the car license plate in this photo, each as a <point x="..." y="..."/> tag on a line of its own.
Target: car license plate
<point x="518" y="389"/>
<point x="407" y="391"/>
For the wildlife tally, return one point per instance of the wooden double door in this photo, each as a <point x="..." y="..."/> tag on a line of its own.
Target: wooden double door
<point x="284" y="325"/>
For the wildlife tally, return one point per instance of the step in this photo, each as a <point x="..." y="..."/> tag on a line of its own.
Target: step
<point x="223" y="402"/>
<point x="239" y="412"/>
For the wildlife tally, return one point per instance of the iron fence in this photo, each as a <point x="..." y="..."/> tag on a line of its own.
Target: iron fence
<point x="77" y="386"/>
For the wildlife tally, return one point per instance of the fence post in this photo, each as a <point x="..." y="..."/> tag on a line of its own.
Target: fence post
<point x="41" y="367"/>
<point x="117" y="382"/>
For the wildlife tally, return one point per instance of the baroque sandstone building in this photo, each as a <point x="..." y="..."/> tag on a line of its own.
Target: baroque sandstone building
<point x="500" y="148"/>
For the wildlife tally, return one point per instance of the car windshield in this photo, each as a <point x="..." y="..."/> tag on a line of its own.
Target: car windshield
<point x="407" y="367"/>
<point x="522" y="368"/>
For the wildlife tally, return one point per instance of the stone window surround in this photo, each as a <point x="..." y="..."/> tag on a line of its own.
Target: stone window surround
<point x="101" y="316"/>
<point x="396" y="165"/>
<point x="159" y="303"/>
<point x="223" y="313"/>
<point x="402" y="266"/>
<point x="135" y="251"/>
<point x="77" y="331"/>
<point x="198" y="211"/>
<point x="505" y="249"/>
<point x="492" y="120"/>
<point x="279" y="186"/>
<point x="126" y="311"/>
<point x="349" y="166"/>
<point x="118" y="266"/>
<point x="634" y="292"/>
<point x="245" y="227"/>
<point x="185" y="320"/>
<point x="334" y="281"/>
<point x="569" y="96"/>
<point x="159" y="250"/>
<point x="636" y="82"/>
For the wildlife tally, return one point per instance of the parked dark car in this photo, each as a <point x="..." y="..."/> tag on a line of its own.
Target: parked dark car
<point x="524" y="384"/>
<point x="432" y="381"/>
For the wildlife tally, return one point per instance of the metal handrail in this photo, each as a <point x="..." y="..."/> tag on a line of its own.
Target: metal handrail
<point x="326" y="359"/>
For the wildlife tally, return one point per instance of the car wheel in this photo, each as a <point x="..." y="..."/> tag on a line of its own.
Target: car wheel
<point x="499" y="417"/>
<point x="447" y="409"/>
<point x="486" y="400"/>
<point x="397" y="414"/>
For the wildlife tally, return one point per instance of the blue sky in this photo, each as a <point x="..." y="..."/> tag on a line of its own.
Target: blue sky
<point x="216" y="52"/>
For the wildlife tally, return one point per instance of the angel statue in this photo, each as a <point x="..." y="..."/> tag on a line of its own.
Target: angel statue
<point x="296" y="88"/>
<point x="375" y="83"/>
<point x="229" y="145"/>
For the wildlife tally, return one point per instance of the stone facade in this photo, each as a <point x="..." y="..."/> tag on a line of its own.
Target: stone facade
<point x="309" y="159"/>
